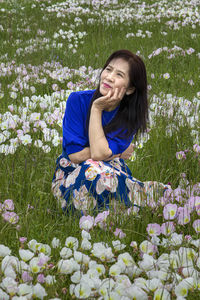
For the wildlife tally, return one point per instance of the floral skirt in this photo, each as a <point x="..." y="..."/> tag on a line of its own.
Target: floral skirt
<point x="96" y="184"/>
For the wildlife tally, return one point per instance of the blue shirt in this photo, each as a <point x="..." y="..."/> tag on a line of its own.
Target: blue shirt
<point x="75" y="137"/>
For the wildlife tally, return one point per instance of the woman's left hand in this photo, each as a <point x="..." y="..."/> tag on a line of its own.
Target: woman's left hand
<point x="128" y="152"/>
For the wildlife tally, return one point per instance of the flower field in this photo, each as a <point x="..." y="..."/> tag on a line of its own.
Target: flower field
<point x="49" y="48"/>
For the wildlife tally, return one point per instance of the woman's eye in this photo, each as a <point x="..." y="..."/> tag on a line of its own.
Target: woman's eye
<point x="119" y="74"/>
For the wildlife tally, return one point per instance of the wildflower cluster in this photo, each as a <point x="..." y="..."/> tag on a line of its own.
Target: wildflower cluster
<point x="7" y="211"/>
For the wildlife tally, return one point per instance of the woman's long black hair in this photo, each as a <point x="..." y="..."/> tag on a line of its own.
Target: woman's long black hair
<point x="132" y="114"/>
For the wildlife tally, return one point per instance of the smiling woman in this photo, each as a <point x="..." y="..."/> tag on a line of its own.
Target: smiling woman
<point x="98" y="128"/>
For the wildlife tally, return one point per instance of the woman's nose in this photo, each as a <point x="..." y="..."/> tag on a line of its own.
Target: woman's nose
<point x="110" y="76"/>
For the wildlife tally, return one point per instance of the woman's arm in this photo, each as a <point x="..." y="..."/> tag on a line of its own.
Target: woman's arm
<point x="98" y="143"/>
<point x="99" y="146"/>
<point x="128" y="152"/>
<point x="80" y="156"/>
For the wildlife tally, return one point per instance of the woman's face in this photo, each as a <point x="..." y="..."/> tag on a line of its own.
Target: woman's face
<point x="115" y="75"/>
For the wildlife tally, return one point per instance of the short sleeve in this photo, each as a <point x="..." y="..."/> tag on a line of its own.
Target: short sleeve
<point x="74" y="137"/>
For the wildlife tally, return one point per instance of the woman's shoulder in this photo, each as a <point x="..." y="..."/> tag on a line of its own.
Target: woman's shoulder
<point x="82" y="94"/>
<point x="80" y="99"/>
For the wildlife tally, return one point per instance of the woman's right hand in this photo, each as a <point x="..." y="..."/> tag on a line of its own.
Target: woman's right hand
<point x="109" y="101"/>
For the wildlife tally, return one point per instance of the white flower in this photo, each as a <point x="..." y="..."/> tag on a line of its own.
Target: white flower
<point x="92" y="279"/>
<point x="133" y="271"/>
<point x="71" y="289"/>
<point x="50" y="280"/>
<point x="118" y="245"/>
<point x="33" y="245"/>
<point x="187" y="256"/>
<point x="161" y="294"/>
<point x="68" y="266"/>
<point x="35" y="268"/>
<point x="13" y="95"/>
<point x="153" y="284"/>
<point x="148" y="263"/>
<point x="10" y="286"/>
<point x="82" y="291"/>
<point x="9" y="272"/>
<point x="39" y="291"/>
<point x="102" y="252"/>
<point x="25" y="254"/>
<point x="113" y="296"/>
<point x="99" y="267"/>
<point x="176" y="239"/>
<point x="4" y="251"/>
<point x="135" y="292"/>
<point x="46" y="148"/>
<point x="76" y="277"/>
<point x="65" y="252"/>
<point x="35" y="116"/>
<point x="163" y="261"/>
<point x="25" y="139"/>
<point x="123" y="279"/>
<point x="106" y="286"/>
<point x="181" y="289"/>
<point x="127" y="259"/>
<point x="85" y="244"/>
<point x="25" y="290"/>
<point x="55" y="243"/>
<point x="71" y="242"/>
<point x="147" y="247"/>
<point x="44" y="248"/>
<point x="141" y="283"/>
<point x="161" y="274"/>
<point x="38" y="143"/>
<point x="81" y="258"/>
<point x="10" y="261"/>
<point x="115" y="270"/>
<point x="85" y="235"/>
<point x="166" y="76"/>
<point x="3" y="295"/>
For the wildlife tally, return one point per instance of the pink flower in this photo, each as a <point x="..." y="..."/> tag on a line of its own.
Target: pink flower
<point x="101" y="218"/>
<point x="43" y="259"/>
<point x="191" y="204"/>
<point x="86" y="222"/>
<point x="196" y="148"/>
<point x="170" y="211"/>
<point x="169" y="194"/>
<point x="188" y="237"/>
<point x="180" y="155"/>
<point x="30" y="206"/>
<point x="41" y="278"/>
<point x="133" y="210"/>
<point x="26" y="277"/>
<point x="55" y="87"/>
<point x="191" y="82"/>
<point x="10" y="217"/>
<point x="183" y="215"/>
<point x="153" y="229"/>
<point x="9" y="204"/>
<point x="167" y="228"/>
<point x="23" y="239"/>
<point x="196" y="225"/>
<point x="1" y="207"/>
<point x="118" y="232"/>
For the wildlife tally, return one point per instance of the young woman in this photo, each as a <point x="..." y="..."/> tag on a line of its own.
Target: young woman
<point x="98" y="128"/>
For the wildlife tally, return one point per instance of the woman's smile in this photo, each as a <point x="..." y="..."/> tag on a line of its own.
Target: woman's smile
<point x="107" y="86"/>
